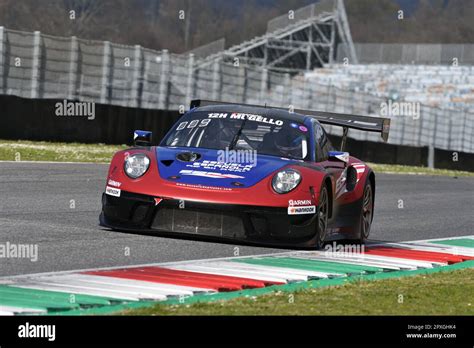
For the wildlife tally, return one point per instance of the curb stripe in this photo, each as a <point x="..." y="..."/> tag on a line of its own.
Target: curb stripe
<point x="235" y="272"/>
<point x="358" y="260"/>
<point x="178" y="277"/>
<point x="113" y="289"/>
<point x="417" y="254"/>
<point x="52" y="286"/>
<point x="312" y="265"/>
<point x="462" y="242"/>
<point x="275" y="274"/>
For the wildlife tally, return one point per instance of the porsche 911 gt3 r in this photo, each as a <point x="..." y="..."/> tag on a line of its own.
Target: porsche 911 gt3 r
<point x="244" y="173"/>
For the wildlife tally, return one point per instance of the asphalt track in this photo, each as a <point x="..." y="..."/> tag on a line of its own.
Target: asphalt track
<point x="56" y="206"/>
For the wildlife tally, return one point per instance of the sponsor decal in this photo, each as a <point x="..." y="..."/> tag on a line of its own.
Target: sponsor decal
<point x="114" y="183"/>
<point x="217" y="188"/>
<point x="210" y="174"/>
<point x="310" y="209"/>
<point x="243" y="116"/>
<point x="303" y="128"/>
<point x="112" y="191"/>
<point x="223" y="166"/>
<point x="296" y="202"/>
<point x="157" y="200"/>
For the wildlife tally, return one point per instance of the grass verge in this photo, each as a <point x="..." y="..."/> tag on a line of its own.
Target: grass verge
<point x="400" y="169"/>
<point x="22" y="150"/>
<point x="444" y="293"/>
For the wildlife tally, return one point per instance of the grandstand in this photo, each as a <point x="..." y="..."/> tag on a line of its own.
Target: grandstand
<point x="294" y="42"/>
<point x="432" y="85"/>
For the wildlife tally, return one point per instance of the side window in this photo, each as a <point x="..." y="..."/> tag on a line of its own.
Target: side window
<point x="326" y="144"/>
<point x="319" y="142"/>
<point x="322" y="143"/>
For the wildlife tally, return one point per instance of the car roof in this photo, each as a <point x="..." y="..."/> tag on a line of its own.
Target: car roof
<point x="281" y="113"/>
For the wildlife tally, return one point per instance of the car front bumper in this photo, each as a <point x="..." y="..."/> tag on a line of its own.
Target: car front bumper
<point x="254" y="224"/>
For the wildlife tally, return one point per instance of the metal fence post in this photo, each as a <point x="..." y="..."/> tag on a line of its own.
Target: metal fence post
<point x="263" y="86"/>
<point x="35" y="67"/>
<point x="432" y="144"/>
<point x="190" y="80"/>
<point x="216" y="80"/>
<point x="2" y="59"/>
<point x="243" y="77"/>
<point x="73" y="68"/>
<point x="106" y="60"/>
<point x="287" y="89"/>
<point x="164" y="78"/>
<point x="135" y="98"/>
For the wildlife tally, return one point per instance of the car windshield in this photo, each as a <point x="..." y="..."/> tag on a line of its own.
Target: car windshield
<point x="240" y="131"/>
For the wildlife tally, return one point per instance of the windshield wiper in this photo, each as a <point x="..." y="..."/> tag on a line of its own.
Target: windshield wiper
<point x="237" y="135"/>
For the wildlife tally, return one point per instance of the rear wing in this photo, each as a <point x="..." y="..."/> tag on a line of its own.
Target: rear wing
<point x="364" y="123"/>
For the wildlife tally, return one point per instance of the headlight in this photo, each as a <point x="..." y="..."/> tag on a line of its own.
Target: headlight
<point x="286" y="180"/>
<point x="136" y="165"/>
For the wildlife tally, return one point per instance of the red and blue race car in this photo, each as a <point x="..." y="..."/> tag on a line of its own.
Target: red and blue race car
<point x="244" y="173"/>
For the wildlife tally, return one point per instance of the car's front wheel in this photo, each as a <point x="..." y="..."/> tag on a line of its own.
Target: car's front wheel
<point x="322" y="218"/>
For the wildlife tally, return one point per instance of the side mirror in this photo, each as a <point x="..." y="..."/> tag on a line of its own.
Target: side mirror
<point x="339" y="156"/>
<point x="142" y="138"/>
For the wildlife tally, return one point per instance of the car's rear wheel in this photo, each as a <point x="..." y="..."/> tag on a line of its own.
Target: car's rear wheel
<point x="367" y="212"/>
<point x="322" y="218"/>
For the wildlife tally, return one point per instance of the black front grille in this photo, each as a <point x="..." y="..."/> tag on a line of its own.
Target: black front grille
<point x="201" y="222"/>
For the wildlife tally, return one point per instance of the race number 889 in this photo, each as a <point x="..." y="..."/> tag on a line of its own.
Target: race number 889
<point x="193" y="123"/>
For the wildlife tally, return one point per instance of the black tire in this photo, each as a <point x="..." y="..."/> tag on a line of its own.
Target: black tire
<point x="322" y="218"/>
<point x="366" y="214"/>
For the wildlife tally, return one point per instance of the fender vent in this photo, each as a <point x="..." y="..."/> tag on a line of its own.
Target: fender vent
<point x="351" y="180"/>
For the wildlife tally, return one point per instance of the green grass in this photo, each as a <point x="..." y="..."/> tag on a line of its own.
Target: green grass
<point x="444" y="293"/>
<point x="10" y="150"/>
<point x="22" y="150"/>
<point x="400" y="169"/>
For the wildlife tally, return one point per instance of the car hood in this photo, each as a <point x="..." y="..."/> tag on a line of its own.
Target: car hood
<point x="209" y="169"/>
